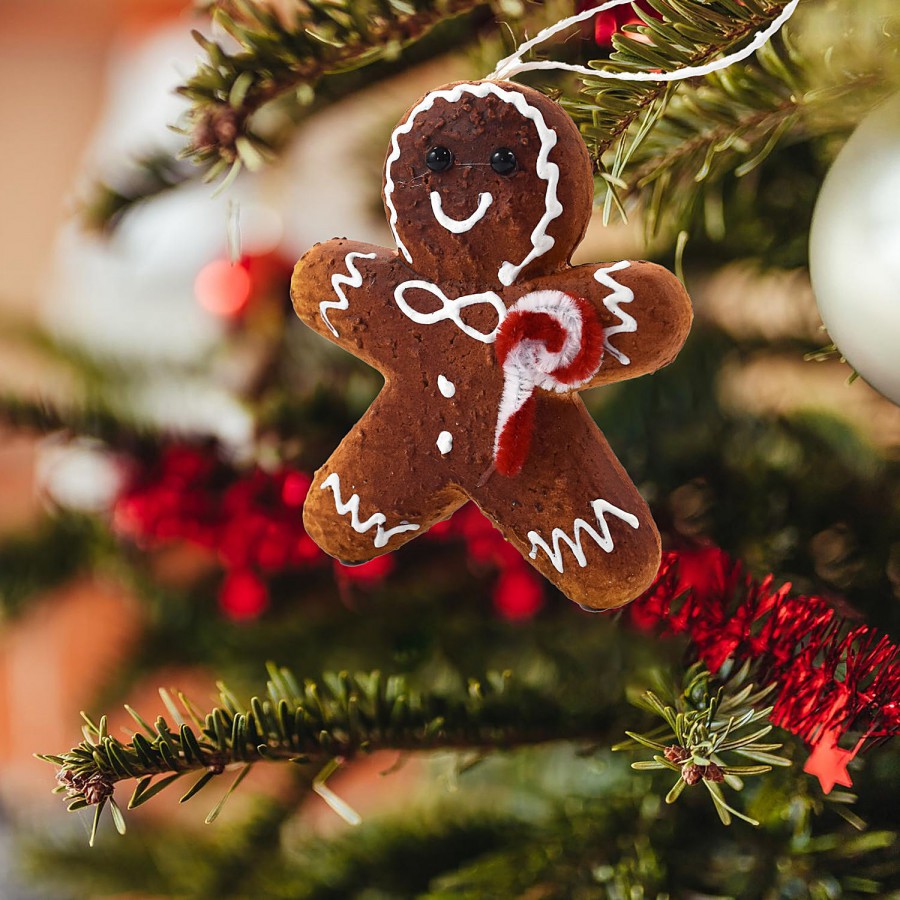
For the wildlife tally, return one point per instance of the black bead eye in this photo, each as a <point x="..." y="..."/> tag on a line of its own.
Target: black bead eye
<point x="503" y="161"/>
<point x="438" y="159"/>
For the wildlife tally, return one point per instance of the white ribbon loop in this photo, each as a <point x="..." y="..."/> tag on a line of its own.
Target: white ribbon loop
<point x="513" y="64"/>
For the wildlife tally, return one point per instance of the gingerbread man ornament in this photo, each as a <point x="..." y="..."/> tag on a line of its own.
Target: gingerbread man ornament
<point x="484" y="334"/>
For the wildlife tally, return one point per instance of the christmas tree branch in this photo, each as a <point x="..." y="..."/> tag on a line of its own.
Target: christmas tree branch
<point x="152" y="174"/>
<point x="117" y="428"/>
<point x="317" y="723"/>
<point x="681" y="34"/>
<point x="704" y="724"/>
<point x="45" y="417"/>
<point x="683" y="143"/>
<point x="58" y="549"/>
<point x="476" y="844"/>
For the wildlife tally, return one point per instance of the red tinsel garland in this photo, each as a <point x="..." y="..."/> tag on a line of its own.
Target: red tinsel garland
<point x="830" y="677"/>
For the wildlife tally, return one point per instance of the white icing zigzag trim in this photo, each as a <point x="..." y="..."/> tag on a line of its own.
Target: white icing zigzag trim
<point x="459" y="226"/>
<point x="339" y="282"/>
<point x="376" y="520"/>
<point x="604" y="540"/>
<point x="541" y="242"/>
<point x="620" y="294"/>
<point x="450" y="309"/>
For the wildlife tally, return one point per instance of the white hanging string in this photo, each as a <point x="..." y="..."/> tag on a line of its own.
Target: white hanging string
<point x="513" y="64"/>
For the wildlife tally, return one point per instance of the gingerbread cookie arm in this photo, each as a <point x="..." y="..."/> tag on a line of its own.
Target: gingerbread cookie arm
<point x="573" y="512"/>
<point x="343" y="290"/>
<point x="644" y="309"/>
<point x="375" y="493"/>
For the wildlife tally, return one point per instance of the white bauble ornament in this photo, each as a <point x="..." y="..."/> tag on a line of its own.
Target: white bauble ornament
<point x="854" y="250"/>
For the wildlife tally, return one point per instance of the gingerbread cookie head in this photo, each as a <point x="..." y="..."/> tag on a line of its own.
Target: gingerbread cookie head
<point x="489" y="179"/>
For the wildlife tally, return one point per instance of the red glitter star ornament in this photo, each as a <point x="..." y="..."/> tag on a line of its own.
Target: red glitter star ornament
<point x="828" y="762"/>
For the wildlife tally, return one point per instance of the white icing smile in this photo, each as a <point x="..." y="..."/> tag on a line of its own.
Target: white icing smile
<point x="459" y="226"/>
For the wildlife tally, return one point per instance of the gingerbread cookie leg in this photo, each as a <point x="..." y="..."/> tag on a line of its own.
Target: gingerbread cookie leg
<point x="370" y="497"/>
<point x="573" y="511"/>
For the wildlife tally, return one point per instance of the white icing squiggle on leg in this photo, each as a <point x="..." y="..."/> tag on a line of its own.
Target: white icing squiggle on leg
<point x="558" y="536"/>
<point x="376" y="520"/>
<point x="339" y="282"/>
<point x="620" y="294"/>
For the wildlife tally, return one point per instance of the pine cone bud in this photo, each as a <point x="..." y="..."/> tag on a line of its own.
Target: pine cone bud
<point x="217" y="130"/>
<point x="691" y="773"/>
<point x="96" y="789"/>
<point x="73" y="782"/>
<point x="676" y="754"/>
<point x="712" y="773"/>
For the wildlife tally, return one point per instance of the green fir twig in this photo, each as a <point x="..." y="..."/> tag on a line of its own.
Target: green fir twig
<point x="705" y="724"/>
<point x="58" y="548"/>
<point x="44" y="417"/>
<point x="313" y="723"/>
<point x="673" y="146"/>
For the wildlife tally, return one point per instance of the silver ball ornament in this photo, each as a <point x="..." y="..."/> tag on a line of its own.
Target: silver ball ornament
<point x="854" y="250"/>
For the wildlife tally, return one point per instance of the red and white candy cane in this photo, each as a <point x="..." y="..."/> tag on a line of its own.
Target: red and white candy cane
<point x="549" y="340"/>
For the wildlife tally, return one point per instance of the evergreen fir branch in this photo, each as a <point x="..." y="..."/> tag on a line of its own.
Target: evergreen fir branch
<point x="598" y="854"/>
<point x="154" y="173"/>
<point x="674" y="146"/>
<point x="403" y="854"/>
<point x="315" y="723"/>
<point x="686" y="33"/>
<point x="94" y="419"/>
<point x="50" y="554"/>
<point x="490" y="838"/>
<point x="56" y="350"/>
<point x="724" y="131"/>
<point x="277" y="57"/>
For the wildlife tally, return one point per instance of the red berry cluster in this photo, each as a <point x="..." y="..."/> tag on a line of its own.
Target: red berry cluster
<point x="253" y="522"/>
<point x="518" y="592"/>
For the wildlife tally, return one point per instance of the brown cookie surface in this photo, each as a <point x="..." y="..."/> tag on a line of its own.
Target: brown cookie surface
<point x="484" y="334"/>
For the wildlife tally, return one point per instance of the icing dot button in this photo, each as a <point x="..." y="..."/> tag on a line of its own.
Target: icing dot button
<point x="446" y="387"/>
<point x="445" y="442"/>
